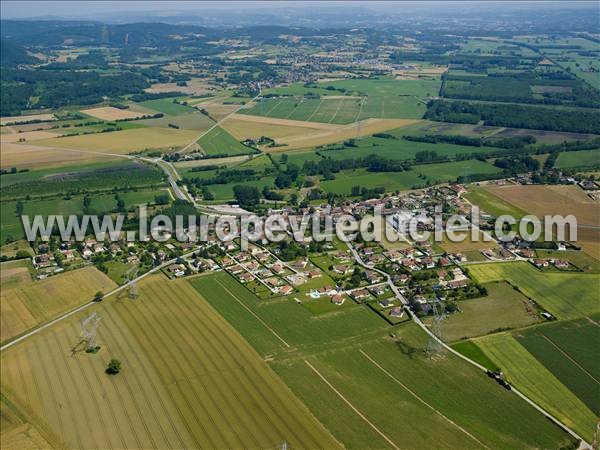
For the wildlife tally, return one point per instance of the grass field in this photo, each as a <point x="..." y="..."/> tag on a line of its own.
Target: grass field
<point x="381" y="98"/>
<point x="569" y="350"/>
<point x="188" y="121"/>
<point x="503" y="308"/>
<point x="126" y="141"/>
<point x="565" y="295"/>
<point x="219" y="142"/>
<point x="492" y="204"/>
<point x="30" y="303"/>
<point x="166" y="106"/>
<point x="188" y="380"/>
<point x="582" y="159"/>
<point x="523" y="370"/>
<point x="580" y="259"/>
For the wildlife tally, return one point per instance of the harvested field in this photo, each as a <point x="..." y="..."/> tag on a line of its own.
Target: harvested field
<point x="188" y="380"/>
<point x="468" y="244"/>
<point x="31" y="303"/>
<point x="194" y="87"/>
<point x="27" y="136"/>
<point x="111" y="113"/>
<point x="217" y="109"/>
<point x="126" y="141"/>
<point x="34" y="156"/>
<point x="21" y="119"/>
<point x="342" y="132"/>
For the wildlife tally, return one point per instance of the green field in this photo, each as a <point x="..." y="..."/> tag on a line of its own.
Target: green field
<point x="187" y="121"/>
<point x="418" y="176"/>
<point x="583" y="159"/>
<point x="565" y="295"/>
<point x="377" y="98"/>
<point x="219" y="142"/>
<point x="523" y="370"/>
<point x="581" y="260"/>
<point x="503" y="308"/>
<point x="570" y="351"/>
<point x="166" y="106"/>
<point x="491" y="203"/>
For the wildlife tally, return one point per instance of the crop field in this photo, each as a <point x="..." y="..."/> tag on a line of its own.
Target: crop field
<point x="468" y="245"/>
<point x="332" y="343"/>
<point x="188" y="121"/>
<point x="126" y="141"/>
<point x="19" y="119"/>
<point x="219" y="142"/>
<point x="523" y="370"/>
<point x="581" y="159"/>
<point x="569" y="350"/>
<point x="502" y="308"/>
<point x="110" y="113"/>
<point x="27" y="136"/>
<point x="396" y="148"/>
<point x="244" y="127"/>
<point x="355" y="130"/>
<point x="91" y="177"/>
<point x="492" y="204"/>
<point x="565" y="295"/>
<point x="166" y="106"/>
<point x="28" y="156"/>
<point x="409" y="179"/>
<point x="188" y="380"/>
<point x="30" y="303"/>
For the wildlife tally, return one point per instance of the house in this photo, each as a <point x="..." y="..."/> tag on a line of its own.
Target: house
<point x="459" y="283"/>
<point x="377" y="290"/>
<point x="314" y="274"/>
<point x="42" y="260"/>
<point x="385" y="303"/>
<point x="278" y="268"/>
<point x="428" y="262"/>
<point x="86" y="252"/>
<point x="133" y="259"/>
<point x="342" y="269"/>
<point x="338" y="299"/>
<point x="420" y="299"/>
<point x="300" y="264"/>
<point x="236" y="269"/>
<point x="539" y="263"/>
<point x="561" y="264"/>
<point x="245" y="277"/>
<point x="359" y="294"/>
<point x="285" y="290"/>
<point x="177" y="269"/>
<point x="527" y="253"/>
<point x="444" y="262"/>
<point x="396" y="312"/>
<point x="68" y="254"/>
<point x="373" y="277"/>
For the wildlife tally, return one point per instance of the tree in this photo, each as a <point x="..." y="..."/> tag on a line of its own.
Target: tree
<point x="19" y="208"/>
<point x="98" y="296"/>
<point x="114" y="367"/>
<point x="246" y="196"/>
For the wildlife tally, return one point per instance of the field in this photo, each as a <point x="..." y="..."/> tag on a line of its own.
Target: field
<point x="219" y="142"/>
<point x="468" y="245"/>
<point x="314" y="354"/>
<point x="166" y="106"/>
<point x="531" y="377"/>
<point x="27" y="136"/>
<point x="30" y="303"/>
<point x="19" y="119"/>
<point x="188" y="380"/>
<point x="126" y="141"/>
<point x="189" y="121"/>
<point x="582" y="159"/>
<point x="503" y="308"/>
<point x="565" y="295"/>
<point x="491" y="203"/>
<point x="110" y="113"/>
<point x="382" y="98"/>
<point x="26" y="156"/>
<point x="253" y="127"/>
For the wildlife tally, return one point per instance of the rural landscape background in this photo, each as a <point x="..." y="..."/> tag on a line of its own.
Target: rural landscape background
<point x="337" y="108"/>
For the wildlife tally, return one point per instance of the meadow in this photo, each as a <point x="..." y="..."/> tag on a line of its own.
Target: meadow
<point x="30" y="303"/>
<point x="166" y="106"/>
<point x="502" y="308"/>
<point x="188" y="380"/>
<point x="187" y="121"/>
<point x="530" y="376"/>
<point x="565" y="295"/>
<point x="583" y="159"/>
<point x="218" y="142"/>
